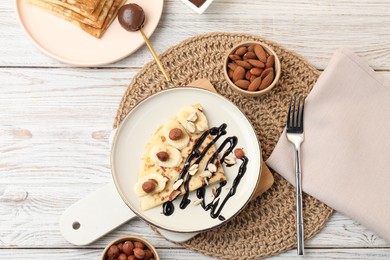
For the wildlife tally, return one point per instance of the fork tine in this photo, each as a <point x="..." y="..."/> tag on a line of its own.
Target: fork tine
<point x="289" y="114"/>
<point x="301" y="113"/>
<point x="294" y="116"/>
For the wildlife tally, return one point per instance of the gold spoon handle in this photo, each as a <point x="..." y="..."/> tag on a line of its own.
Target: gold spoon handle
<point x="154" y="55"/>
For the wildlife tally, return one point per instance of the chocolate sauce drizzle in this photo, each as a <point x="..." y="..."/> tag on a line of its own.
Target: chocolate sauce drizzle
<point x="231" y="142"/>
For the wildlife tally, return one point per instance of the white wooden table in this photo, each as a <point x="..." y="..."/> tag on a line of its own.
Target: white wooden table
<point x="55" y="119"/>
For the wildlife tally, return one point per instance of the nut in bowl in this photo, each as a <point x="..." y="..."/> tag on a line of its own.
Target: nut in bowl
<point x="130" y="248"/>
<point x="252" y="68"/>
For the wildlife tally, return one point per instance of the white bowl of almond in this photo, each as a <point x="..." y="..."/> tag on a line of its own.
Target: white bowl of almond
<point x="252" y="68"/>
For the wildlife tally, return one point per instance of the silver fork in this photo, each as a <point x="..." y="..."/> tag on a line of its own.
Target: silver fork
<point x="295" y="136"/>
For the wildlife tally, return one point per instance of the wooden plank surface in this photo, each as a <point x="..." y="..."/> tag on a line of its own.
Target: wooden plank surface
<point x="315" y="29"/>
<point x="56" y="120"/>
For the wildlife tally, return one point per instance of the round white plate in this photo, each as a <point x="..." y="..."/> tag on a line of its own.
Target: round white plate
<point x="139" y="125"/>
<point x="65" y="42"/>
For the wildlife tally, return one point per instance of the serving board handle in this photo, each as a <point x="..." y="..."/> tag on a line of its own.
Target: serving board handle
<point x="104" y="210"/>
<point x="94" y="216"/>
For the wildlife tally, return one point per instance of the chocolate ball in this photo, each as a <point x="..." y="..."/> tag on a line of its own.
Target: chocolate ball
<point x="131" y="17"/>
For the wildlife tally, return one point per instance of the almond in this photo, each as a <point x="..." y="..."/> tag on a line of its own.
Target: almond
<point x="256" y="63"/>
<point x="267" y="81"/>
<point x="230" y="73"/>
<point x="251" y="47"/>
<point x="241" y="51"/>
<point x="177" y="184"/>
<point x="239" y="73"/>
<point x="244" y="84"/>
<point x="270" y="61"/>
<point x="248" y="75"/>
<point x="250" y="55"/>
<point x="212" y="168"/>
<point x="244" y="64"/>
<point x="205" y="174"/>
<point x="260" y="53"/>
<point x="256" y="71"/>
<point x="234" y="57"/>
<point x="193" y="169"/>
<point x="266" y="72"/>
<point x="230" y="160"/>
<point x="190" y="127"/>
<point x="255" y="84"/>
<point x="252" y="78"/>
<point x="198" y="201"/>
<point x="192" y="117"/>
<point x="232" y="65"/>
<point x="199" y="107"/>
<point x="174" y="194"/>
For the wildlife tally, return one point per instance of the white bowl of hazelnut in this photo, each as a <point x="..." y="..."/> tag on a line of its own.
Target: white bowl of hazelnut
<point x="130" y="248"/>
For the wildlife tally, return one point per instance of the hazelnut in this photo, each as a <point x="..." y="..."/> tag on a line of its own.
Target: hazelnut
<point x="128" y="246"/>
<point x="122" y="257"/>
<point x="175" y="134"/>
<point x="148" y="254"/>
<point x="139" y="253"/>
<point x="131" y="257"/>
<point x="120" y="246"/>
<point x="138" y="244"/>
<point x="113" y="252"/>
<point x="148" y="187"/>
<point x="162" y="156"/>
<point x="239" y="153"/>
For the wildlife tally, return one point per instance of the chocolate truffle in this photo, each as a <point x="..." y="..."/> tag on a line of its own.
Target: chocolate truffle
<point x="131" y="17"/>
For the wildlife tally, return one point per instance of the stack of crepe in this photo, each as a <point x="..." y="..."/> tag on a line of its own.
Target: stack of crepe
<point x="93" y="16"/>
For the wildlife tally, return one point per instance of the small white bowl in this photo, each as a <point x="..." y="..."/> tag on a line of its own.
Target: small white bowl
<point x="133" y="239"/>
<point x="200" y="9"/>
<point x="277" y="68"/>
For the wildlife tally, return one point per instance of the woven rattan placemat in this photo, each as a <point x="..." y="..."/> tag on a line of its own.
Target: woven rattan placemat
<point x="267" y="225"/>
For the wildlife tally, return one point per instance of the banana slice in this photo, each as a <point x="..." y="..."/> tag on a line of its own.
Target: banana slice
<point x="180" y="142"/>
<point x="193" y="119"/>
<point x="165" y="155"/>
<point x="157" y="179"/>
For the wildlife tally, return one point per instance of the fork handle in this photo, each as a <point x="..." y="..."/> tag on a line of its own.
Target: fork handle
<point x="298" y="182"/>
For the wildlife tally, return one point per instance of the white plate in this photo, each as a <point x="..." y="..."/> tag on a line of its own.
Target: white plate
<point x="139" y="125"/>
<point x="65" y="42"/>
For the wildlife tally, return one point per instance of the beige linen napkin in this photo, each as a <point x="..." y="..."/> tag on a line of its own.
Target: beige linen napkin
<point x="346" y="152"/>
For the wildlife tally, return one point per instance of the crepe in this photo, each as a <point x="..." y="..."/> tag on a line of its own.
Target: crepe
<point x="179" y="151"/>
<point x="78" y="8"/>
<point x="96" y="29"/>
<point x="88" y="6"/>
<point x="73" y="16"/>
<point x="98" y="33"/>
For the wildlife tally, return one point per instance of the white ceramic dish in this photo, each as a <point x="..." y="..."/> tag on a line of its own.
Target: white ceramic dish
<point x="200" y="9"/>
<point x="135" y="131"/>
<point x="65" y="42"/>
